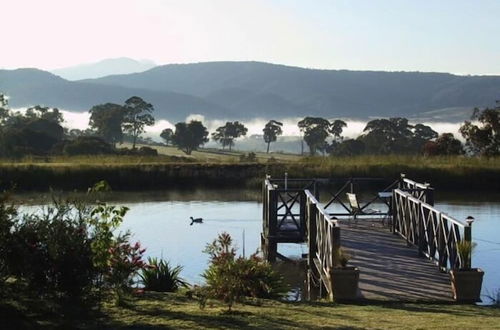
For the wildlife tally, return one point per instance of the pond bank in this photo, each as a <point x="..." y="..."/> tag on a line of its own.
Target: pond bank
<point x="123" y="177"/>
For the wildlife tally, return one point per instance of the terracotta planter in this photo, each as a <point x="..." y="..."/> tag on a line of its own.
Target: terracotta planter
<point x="345" y="283"/>
<point x="466" y="284"/>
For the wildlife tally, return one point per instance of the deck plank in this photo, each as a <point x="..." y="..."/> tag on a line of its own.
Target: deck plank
<point x="389" y="269"/>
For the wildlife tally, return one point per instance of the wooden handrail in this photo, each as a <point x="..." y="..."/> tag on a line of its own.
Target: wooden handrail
<point x="435" y="233"/>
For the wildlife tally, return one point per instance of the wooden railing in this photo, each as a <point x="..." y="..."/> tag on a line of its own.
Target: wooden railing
<point x="292" y="212"/>
<point x="435" y="233"/>
<point x="284" y="208"/>
<point x="422" y="191"/>
<point x="323" y="238"/>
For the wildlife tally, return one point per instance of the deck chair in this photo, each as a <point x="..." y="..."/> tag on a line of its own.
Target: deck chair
<point x="356" y="209"/>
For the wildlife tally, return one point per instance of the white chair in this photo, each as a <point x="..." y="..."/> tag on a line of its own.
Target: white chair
<point x="356" y="209"/>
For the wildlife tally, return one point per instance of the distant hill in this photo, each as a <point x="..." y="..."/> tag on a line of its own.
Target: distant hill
<point x="27" y="87"/>
<point x="243" y="90"/>
<point x="122" y="65"/>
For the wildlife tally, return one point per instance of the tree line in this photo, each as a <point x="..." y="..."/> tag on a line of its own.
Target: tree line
<point x="39" y="131"/>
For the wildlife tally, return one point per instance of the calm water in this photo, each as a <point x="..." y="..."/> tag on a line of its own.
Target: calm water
<point x="160" y="221"/>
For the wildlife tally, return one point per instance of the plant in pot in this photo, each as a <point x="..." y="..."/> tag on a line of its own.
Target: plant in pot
<point x="466" y="281"/>
<point x="344" y="279"/>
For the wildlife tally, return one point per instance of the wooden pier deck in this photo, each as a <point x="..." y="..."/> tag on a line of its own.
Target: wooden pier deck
<point x="391" y="270"/>
<point x="389" y="263"/>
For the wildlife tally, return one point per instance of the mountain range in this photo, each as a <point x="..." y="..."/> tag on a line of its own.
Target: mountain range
<point x="121" y="65"/>
<point x="244" y="90"/>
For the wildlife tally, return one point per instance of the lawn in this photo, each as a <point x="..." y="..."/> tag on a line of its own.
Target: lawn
<point x="176" y="311"/>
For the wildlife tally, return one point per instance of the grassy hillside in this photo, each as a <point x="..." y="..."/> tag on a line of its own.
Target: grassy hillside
<point x="174" y="311"/>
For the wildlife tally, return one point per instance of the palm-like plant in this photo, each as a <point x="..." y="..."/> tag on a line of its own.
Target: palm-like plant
<point x="160" y="276"/>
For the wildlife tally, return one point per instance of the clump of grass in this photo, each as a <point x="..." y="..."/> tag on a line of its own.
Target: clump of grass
<point x="160" y="276"/>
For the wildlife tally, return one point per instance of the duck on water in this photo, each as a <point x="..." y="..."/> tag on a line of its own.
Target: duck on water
<point x="196" y="220"/>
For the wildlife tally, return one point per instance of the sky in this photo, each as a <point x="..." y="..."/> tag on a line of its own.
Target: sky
<point x="458" y="36"/>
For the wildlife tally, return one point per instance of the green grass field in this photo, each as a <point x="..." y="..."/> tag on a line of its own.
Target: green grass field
<point x="208" y="166"/>
<point x="175" y="311"/>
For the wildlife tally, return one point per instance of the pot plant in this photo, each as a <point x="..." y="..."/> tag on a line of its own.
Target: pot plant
<point x="466" y="281"/>
<point x="344" y="279"/>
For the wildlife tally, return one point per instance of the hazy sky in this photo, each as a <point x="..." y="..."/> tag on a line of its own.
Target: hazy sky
<point x="459" y="36"/>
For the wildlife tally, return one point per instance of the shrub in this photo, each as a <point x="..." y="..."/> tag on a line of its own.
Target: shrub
<point x="124" y="264"/>
<point x="147" y="151"/>
<point x="8" y="214"/>
<point x="87" y="145"/>
<point x="251" y="157"/>
<point x="52" y="252"/>
<point x="230" y="278"/>
<point x="160" y="276"/>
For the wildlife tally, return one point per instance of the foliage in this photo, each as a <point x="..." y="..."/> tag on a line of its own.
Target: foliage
<point x="315" y="130"/>
<point x="395" y="136"/>
<point x="87" y="145"/>
<point x="45" y="113"/>
<point x="147" y="151"/>
<point x="8" y="214"/>
<point x="484" y="138"/>
<point x="464" y="250"/>
<point x="34" y="132"/>
<point x="226" y="134"/>
<point x="189" y="136"/>
<point x="4" y="108"/>
<point x="52" y="251"/>
<point x="341" y="258"/>
<point x="160" y="276"/>
<point x="271" y="131"/>
<point x="138" y="114"/>
<point x="349" y="147"/>
<point x="167" y="134"/>
<point x="251" y="157"/>
<point x="444" y="145"/>
<point x="124" y="264"/>
<point x="230" y="278"/>
<point x="106" y="120"/>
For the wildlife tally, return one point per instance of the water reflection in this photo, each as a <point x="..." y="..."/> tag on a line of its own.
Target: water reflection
<point x="161" y="221"/>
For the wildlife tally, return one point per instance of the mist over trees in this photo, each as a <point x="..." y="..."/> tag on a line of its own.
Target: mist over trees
<point x="225" y="135"/>
<point x="482" y="135"/>
<point x="188" y="137"/>
<point x="271" y="132"/>
<point x="39" y="131"/>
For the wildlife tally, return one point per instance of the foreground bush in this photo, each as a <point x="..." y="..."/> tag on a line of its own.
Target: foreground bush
<point x="160" y="276"/>
<point x="230" y="278"/>
<point x="69" y="249"/>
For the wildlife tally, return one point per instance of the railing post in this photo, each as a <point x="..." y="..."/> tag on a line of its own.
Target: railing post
<point x="429" y="195"/>
<point x="335" y="243"/>
<point x="272" y="245"/>
<point x="441" y="244"/>
<point x="421" y="233"/>
<point x="311" y="233"/>
<point x="394" y="211"/>
<point x="303" y="211"/>
<point x="468" y="235"/>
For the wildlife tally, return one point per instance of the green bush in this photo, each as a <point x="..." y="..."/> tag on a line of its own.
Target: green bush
<point x="87" y="145"/>
<point x="8" y="214"/>
<point x="230" y="278"/>
<point x="251" y="157"/>
<point x="124" y="264"/>
<point x="69" y="248"/>
<point x="160" y="276"/>
<point x="52" y="251"/>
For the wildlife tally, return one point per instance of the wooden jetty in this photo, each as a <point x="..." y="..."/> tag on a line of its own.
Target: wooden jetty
<point x="404" y="258"/>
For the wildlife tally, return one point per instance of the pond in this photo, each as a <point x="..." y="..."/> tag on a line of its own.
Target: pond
<point x="161" y="222"/>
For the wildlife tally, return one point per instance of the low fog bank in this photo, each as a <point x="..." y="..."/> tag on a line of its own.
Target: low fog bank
<point x="290" y="141"/>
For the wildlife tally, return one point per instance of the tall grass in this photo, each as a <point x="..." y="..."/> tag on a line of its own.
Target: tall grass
<point x="140" y="173"/>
